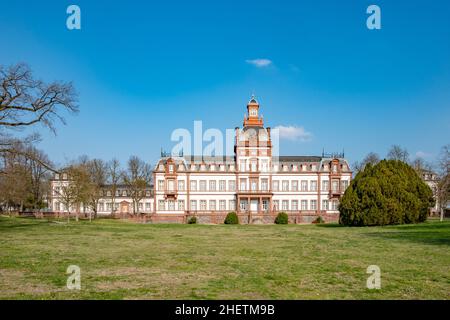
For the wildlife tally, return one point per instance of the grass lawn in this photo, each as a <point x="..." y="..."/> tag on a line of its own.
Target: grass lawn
<point x="121" y="260"/>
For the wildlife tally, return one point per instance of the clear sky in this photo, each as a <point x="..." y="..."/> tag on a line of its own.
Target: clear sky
<point x="145" y="68"/>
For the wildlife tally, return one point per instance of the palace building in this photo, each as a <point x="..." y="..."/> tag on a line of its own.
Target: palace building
<point x="255" y="183"/>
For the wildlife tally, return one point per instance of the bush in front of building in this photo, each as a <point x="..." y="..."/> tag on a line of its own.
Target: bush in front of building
<point x="282" y="218"/>
<point x="231" y="218"/>
<point x="391" y="192"/>
<point x="318" y="220"/>
<point x="192" y="220"/>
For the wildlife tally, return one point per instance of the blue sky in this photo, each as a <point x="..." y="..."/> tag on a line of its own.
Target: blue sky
<point x="145" y="68"/>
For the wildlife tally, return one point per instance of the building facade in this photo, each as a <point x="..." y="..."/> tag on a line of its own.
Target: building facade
<point x="255" y="183"/>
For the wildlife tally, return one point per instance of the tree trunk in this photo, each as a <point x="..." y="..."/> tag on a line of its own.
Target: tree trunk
<point x="442" y="214"/>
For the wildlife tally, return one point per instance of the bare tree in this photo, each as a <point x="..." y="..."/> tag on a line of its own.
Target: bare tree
<point x="137" y="177"/>
<point x="398" y="153"/>
<point x="39" y="175"/>
<point x="98" y="176"/>
<point x="26" y="102"/>
<point x="443" y="186"/>
<point x="78" y="189"/>
<point x="14" y="183"/>
<point x="371" y="158"/>
<point x="421" y="166"/>
<point x="114" y="178"/>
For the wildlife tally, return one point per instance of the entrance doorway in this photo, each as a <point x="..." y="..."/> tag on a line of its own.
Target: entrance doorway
<point x="254" y="205"/>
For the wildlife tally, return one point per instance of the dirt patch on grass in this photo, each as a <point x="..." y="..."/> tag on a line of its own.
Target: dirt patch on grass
<point x="15" y="283"/>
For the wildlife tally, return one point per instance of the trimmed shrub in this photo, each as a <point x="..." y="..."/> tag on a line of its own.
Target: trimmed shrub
<point x="231" y="218"/>
<point x="192" y="220"/>
<point x="390" y="192"/>
<point x="319" y="219"/>
<point x="282" y="218"/>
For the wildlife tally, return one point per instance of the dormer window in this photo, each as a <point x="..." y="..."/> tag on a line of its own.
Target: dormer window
<point x="170" y="168"/>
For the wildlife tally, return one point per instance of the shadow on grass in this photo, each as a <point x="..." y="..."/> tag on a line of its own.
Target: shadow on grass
<point x="330" y="225"/>
<point x="426" y="233"/>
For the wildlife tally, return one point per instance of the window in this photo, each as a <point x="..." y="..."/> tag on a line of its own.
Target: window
<point x="276" y="204"/>
<point x="243" y="185"/>
<point x="181" y="205"/>
<point x="242" y="165"/>
<point x="101" y="206"/>
<point x="222" y="184"/>
<point x="203" y="205"/>
<point x="171" y="185"/>
<point x="202" y="185"/>
<point x="180" y="185"/>
<point x="140" y="205"/>
<point x="193" y="185"/>
<point x="335" y="205"/>
<point x="147" y="206"/>
<point x="232" y="185"/>
<point x="285" y="205"/>
<point x="344" y="184"/>
<point x="304" y="185"/>
<point x="325" y="185"/>
<point x="56" y="190"/>
<point x="170" y="168"/>
<point x="275" y="185"/>
<point x="109" y="206"/>
<point x="108" y="193"/>
<point x="232" y="205"/>
<point x="313" y="204"/>
<point x="171" y="205"/>
<point x="254" y="184"/>
<point x="161" y="205"/>
<point x="124" y="193"/>
<point x="335" y="185"/>
<point x="285" y="185"/>
<point x="243" y="205"/>
<point x="264" y="185"/>
<point x="194" y="205"/>
<point x="265" y="165"/>
<point x="57" y="206"/>
<point x="161" y="185"/>
<point x="265" y="205"/>
<point x="212" y="185"/>
<point x="335" y="168"/>
<point x="324" y="204"/>
<point x="294" y="205"/>
<point x="304" y="204"/>
<point x="313" y="185"/>
<point x="253" y="165"/>
<point x="294" y="184"/>
<point x="212" y="205"/>
<point x="222" y="204"/>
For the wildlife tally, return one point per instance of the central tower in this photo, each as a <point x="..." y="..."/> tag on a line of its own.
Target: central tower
<point x="252" y="118"/>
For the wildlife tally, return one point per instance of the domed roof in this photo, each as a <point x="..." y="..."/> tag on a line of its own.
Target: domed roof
<point x="253" y="100"/>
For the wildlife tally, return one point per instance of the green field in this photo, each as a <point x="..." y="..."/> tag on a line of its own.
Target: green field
<point x="121" y="260"/>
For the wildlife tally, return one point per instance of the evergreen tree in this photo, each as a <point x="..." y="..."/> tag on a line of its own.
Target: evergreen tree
<point x="391" y="192"/>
